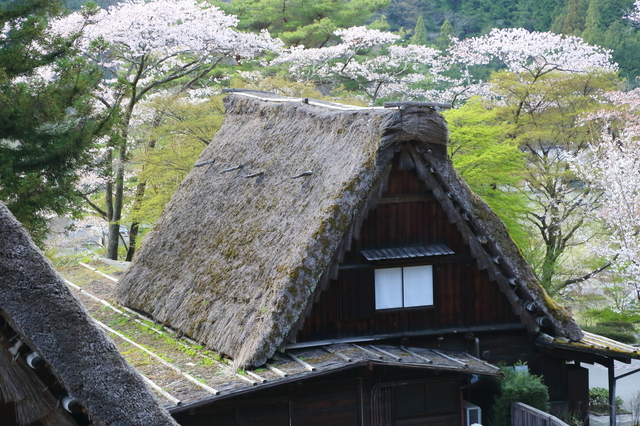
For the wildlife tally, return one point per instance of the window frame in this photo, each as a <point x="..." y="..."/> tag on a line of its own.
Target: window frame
<point x="431" y="294"/>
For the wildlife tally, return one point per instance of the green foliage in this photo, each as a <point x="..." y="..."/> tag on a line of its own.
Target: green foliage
<point x="612" y="332"/>
<point x="404" y="14"/>
<point x="608" y="315"/>
<point x="614" y="325"/>
<point x="173" y="142"/>
<point x="599" y="401"/>
<point x="572" y="20"/>
<point x="444" y="39"/>
<point x="592" y="33"/>
<point x="300" y="22"/>
<point x="545" y="111"/>
<point x="490" y="164"/>
<point x="46" y="129"/>
<point x="518" y="386"/>
<point x="420" y="33"/>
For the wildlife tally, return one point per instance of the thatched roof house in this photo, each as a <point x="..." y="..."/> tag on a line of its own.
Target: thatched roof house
<point x="256" y="230"/>
<point x="52" y="356"/>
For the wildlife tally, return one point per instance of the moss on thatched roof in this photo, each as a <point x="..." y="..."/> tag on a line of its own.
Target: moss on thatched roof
<point x="36" y="304"/>
<point x="258" y="227"/>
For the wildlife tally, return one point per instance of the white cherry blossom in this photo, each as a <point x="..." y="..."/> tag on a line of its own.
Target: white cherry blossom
<point x="534" y="52"/>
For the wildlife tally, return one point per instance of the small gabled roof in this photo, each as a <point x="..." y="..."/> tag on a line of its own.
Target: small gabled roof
<point x="259" y="226"/>
<point x="44" y="318"/>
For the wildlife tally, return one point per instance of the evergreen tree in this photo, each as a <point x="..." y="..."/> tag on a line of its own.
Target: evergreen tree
<point x="575" y="20"/>
<point x="625" y="43"/>
<point x="537" y="15"/>
<point x="300" y="22"/>
<point x="444" y="39"/>
<point x="572" y="20"/>
<point x="614" y="10"/>
<point x="420" y="33"/>
<point x="46" y="115"/>
<point x="405" y="13"/>
<point x="592" y="33"/>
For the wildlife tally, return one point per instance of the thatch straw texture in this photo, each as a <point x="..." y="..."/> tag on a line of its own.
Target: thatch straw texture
<point x="240" y="252"/>
<point x="37" y="304"/>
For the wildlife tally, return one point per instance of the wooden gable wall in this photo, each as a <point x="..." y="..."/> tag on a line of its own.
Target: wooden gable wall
<point x="406" y="214"/>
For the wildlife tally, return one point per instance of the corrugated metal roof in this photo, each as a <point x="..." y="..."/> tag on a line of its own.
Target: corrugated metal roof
<point x="594" y="343"/>
<point x="407" y="252"/>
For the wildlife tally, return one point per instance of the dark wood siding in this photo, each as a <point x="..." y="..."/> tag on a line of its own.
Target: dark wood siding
<point x="406" y="214"/>
<point x="338" y="399"/>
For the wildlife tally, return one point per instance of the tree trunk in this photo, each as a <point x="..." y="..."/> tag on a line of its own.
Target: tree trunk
<point x="135" y="224"/>
<point x="118" y="196"/>
<point x="118" y="202"/>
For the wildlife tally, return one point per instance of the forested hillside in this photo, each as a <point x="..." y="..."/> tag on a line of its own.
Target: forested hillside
<point x="599" y="22"/>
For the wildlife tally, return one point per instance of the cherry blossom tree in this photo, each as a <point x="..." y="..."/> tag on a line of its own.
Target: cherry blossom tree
<point x="612" y="165"/>
<point x="146" y="47"/>
<point x="532" y="54"/>
<point x="379" y="68"/>
<point x="546" y="84"/>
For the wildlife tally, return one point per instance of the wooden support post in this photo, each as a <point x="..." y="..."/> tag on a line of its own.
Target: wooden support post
<point x="612" y="392"/>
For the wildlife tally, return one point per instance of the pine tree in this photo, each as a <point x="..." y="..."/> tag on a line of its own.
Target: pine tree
<point x="301" y="22"/>
<point x="444" y="39"/>
<point x="592" y="33"/>
<point x="572" y="22"/>
<point x="46" y="116"/>
<point x="419" y="33"/>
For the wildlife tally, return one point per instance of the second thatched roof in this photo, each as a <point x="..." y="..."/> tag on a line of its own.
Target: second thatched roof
<point x="256" y="229"/>
<point x="43" y="317"/>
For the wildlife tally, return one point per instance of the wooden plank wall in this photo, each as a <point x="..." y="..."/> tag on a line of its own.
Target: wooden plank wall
<point x="341" y="399"/>
<point x="407" y="214"/>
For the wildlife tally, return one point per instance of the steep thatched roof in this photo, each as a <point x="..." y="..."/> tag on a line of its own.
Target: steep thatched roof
<point x="36" y="305"/>
<point x="257" y="229"/>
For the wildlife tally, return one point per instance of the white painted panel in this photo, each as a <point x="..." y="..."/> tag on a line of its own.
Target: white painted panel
<point x="388" y="288"/>
<point x="418" y="286"/>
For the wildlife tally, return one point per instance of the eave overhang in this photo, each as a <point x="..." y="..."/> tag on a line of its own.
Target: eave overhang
<point x="591" y="345"/>
<point x="307" y="363"/>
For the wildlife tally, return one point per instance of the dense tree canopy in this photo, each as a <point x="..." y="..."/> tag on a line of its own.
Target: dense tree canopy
<point x="47" y="120"/>
<point x="300" y="22"/>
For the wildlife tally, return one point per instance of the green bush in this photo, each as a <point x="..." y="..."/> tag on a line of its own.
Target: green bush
<point x="599" y="401"/>
<point x="518" y="386"/>
<point x="614" y="330"/>
<point x="621" y="325"/>
<point x="609" y="315"/>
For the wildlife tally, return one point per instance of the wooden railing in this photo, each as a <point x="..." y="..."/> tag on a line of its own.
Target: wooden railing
<point x="523" y="415"/>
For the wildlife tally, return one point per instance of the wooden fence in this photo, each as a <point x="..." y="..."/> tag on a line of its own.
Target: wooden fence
<point x="523" y="415"/>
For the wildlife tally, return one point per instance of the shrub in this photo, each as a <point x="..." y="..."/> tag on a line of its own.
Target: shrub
<point x="614" y="330"/>
<point x="621" y="325"/>
<point x="599" y="400"/>
<point x="518" y="386"/>
<point x="609" y="315"/>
